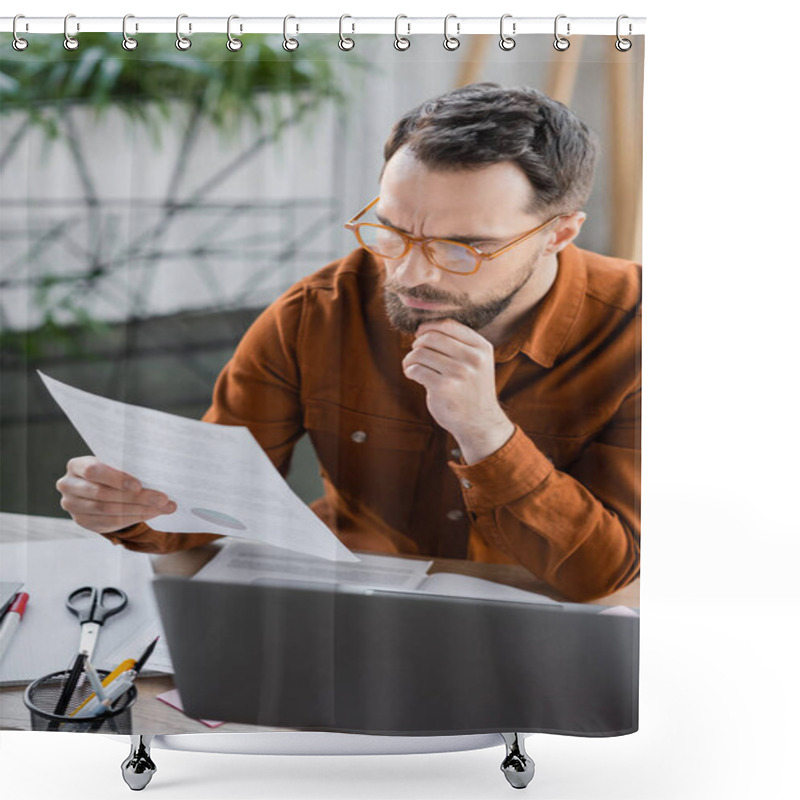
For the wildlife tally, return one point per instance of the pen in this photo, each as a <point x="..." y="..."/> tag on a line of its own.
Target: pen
<point x="137" y="667"/>
<point x="114" y="691"/>
<point x="11" y="621"/>
<point x="127" y="664"/>
<point x="94" y="679"/>
<point x="8" y="595"/>
<point x="69" y="688"/>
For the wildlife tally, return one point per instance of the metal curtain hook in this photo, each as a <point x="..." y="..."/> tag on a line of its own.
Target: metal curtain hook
<point x="560" y="43"/>
<point x="127" y="42"/>
<point x="70" y="42"/>
<point x="345" y="43"/>
<point x="507" y="42"/>
<point x="400" y="42"/>
<point x="181" y="42"/>
<point x="233" y="44"/>
<point x="18" y="43"/>
<point x="451" y="42"/>
<point x="289" y="44"/>
<point x="623" y="45"/>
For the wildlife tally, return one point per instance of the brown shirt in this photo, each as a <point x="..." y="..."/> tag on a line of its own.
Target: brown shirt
<point x="561" y="497"/>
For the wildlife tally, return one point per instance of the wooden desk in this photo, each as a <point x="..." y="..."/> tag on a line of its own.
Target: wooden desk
<point x="150" y="714"/>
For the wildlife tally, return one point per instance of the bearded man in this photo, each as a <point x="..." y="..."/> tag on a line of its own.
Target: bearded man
<point x="469" y="378"/>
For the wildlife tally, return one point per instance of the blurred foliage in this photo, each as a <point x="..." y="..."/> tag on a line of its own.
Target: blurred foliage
<point x="51" y="335"/>
<point x="150" y="84"/>
<point x="145" y="82"/>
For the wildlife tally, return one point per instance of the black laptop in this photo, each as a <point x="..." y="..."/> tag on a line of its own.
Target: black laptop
<point x="358" y="660"/>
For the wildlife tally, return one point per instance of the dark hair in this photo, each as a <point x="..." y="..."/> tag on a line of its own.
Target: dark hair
<point x="484" y="123"/>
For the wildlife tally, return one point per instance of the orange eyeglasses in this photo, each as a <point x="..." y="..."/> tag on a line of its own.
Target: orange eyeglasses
<point x="458" y="258"/>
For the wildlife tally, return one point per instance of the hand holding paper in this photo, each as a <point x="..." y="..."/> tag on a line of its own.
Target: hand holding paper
<point x="102" y="499"/>
<point x="217" y="475"/>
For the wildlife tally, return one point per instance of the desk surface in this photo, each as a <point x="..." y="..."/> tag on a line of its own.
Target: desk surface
<point x="151" y="714"/>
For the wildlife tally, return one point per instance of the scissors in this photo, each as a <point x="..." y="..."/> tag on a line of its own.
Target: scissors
<point x="92" y="607"/>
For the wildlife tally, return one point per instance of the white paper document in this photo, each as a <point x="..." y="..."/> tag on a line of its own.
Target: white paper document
<point x="48" y="637"/>
<point x="218" y="475"/>
<point x="247" y="562"/>
<point x="139" y="637"/>
<point x="449" y="584"/>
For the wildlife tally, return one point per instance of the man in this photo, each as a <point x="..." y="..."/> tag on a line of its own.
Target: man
<point x="469" y="378"/>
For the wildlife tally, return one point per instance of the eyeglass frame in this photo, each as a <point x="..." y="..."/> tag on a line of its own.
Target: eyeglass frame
<point x="353" y="225"/>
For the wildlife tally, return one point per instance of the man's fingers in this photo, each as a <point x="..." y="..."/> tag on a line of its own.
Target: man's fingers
<point x="477" y="353"/>
<point x="426" y="358"/>
<point x="103" y="523"/>
<point x="133" y="512"/>
<point x="440" y="342"/>
<point x="80" y="488"/>
<point x="438" y="362"/>
<point x="103" y="517"/>
<point x="103" y="499"/>
<point x="94" y="470"/>
<point x="447" y="345"/>
<point x="424" y="375"/>
<point x="419" y="374"/>
<point x="455" y="330"/>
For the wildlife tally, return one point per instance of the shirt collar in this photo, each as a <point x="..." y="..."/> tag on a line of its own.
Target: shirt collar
<point x="542" y="336"/>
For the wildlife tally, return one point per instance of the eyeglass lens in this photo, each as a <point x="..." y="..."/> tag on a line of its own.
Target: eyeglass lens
<point x="390" y="244"/>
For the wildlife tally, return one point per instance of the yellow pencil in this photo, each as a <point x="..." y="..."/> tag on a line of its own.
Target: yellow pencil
<point x="127" y="664"/>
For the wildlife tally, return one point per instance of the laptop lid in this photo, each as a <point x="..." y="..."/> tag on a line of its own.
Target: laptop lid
<point x="355" y="660"/>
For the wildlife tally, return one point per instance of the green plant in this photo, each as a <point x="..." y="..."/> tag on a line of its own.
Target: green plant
<point x="41" y="85"/>
<point x="146" y="82"/>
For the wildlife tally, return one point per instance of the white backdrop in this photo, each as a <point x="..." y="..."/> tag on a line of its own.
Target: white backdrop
<point x="720" y="598"/>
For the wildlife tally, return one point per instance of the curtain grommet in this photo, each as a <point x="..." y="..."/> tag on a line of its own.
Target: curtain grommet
<point x="18" y="43"/>
<point x="181" y="42"/>
<point x="560" y="43"/>
<point x="401" y="43"/>
<point x="507" y="42"/>
<point x="128" y="42"/>
<point x="70" y="42"/>
<point x="345" y="42"/>
<point x="623" y="45"/>
<point x="289" y="44"/>
<point x="233" y="44"/>
<point x="451" y="43"/>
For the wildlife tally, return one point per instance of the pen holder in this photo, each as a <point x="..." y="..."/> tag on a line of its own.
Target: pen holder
<point x="43" y="694"/>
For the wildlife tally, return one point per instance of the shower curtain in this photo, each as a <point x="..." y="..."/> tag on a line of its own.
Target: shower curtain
<point x="411" y="273"/>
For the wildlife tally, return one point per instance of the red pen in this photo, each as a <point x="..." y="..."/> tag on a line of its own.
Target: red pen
<point x="11" y="621"/>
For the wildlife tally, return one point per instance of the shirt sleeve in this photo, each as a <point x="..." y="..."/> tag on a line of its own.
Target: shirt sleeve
<point x="259" y="388"/>
<point x="577" y="529"/>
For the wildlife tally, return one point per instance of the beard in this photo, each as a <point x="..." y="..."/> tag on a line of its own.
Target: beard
<point x="462" y="308"/>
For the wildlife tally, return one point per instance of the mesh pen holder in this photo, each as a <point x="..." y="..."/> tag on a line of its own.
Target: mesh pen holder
<point x="42" y="695"/>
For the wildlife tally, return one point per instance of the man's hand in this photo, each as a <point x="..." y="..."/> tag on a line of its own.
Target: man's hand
<point x="455" y="364"/>
<point x="102" y="499"/>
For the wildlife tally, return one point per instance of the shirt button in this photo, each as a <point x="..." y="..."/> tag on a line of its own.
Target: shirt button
<point x="465" y="483"/>
<point x="455" y="452"/>
<point x="455" y="515"/>
<point x="359" y="436"/>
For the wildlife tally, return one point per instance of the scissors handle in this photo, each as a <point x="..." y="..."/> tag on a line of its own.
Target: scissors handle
<point x="82" y="602"/>
<point x="91" y="604"/>
<point x="111" y="601"/>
